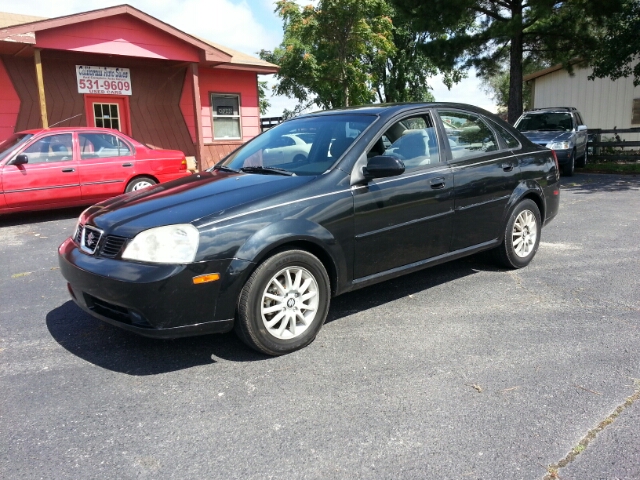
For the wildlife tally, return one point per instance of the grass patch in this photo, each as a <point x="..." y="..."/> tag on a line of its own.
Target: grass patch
<point x="612" y="167"/>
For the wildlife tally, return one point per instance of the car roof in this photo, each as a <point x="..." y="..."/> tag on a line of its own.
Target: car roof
<point x="35" y="131"/>
<point x="384" y="109"/>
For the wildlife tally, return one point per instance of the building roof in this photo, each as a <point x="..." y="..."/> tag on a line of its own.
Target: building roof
<point x="9" y="19"/>
<point x="16" y="28"/>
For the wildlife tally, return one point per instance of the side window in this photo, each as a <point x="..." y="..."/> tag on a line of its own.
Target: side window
<point x="101" y="145"/>
<point x="509" y="139"/>
<point x="467" y="134"/>
<point x="413" y="140"/>
<point x="54" y="148"/>
<point x="225" y="110"/>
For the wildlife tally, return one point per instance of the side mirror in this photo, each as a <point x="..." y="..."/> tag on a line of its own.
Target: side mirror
<point x="581" y="128"/>
<point x="383" y="166"/>
<point x="19" y="160"/>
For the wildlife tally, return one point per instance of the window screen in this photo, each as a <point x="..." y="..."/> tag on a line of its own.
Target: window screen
<point x="226" y="116"/>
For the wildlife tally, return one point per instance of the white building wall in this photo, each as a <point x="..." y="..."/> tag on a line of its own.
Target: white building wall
<point x="602" y="102"/>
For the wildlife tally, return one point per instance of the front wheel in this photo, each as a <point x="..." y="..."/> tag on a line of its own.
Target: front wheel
<point x="569" y="167"/>
<point x="284" y="303"/>
<point x="521" y="237"/>
<point x="583" y="160"/>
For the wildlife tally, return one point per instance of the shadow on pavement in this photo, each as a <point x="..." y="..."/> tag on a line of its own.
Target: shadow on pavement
<point x="24" y="218"/>
<point x="598" y="183"/>
<point x="117" y="350"/>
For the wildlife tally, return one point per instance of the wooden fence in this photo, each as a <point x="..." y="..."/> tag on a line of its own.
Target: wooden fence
<point x="613" y="148"/>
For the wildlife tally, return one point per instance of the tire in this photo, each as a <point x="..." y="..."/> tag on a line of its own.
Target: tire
<point x="569" y="168"/>
<point x="274" y="317"/>
<point x="299" y="158"/>
<point x="139" y="183"/>
<point x="583" y="160"/>
<point x="516" y="251"/>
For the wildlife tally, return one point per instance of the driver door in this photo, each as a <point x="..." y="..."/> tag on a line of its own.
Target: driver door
<point x="408" y="218"/>
<point x="50" y="176"/>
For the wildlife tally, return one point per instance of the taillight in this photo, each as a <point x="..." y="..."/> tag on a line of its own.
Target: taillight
<point x="183" y="164"/>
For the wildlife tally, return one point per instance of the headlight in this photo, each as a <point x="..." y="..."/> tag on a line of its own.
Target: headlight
<point x="168" y="244"/>
<point x="559" y="145"/>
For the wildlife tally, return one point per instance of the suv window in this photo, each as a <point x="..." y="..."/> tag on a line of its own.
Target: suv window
<point x="545" y="121"/>
<point x="467" y="134"/>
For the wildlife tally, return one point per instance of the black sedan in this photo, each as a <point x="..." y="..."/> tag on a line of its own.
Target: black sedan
<point x="260" y="244"/>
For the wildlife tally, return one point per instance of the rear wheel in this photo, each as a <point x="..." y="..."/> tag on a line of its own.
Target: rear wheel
<point x="521" y="236"/>
<point x="139" y="183"/>
<point x="284" y="303"/>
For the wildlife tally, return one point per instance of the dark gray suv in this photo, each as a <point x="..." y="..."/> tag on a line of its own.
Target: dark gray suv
<point x="562" y="130"/>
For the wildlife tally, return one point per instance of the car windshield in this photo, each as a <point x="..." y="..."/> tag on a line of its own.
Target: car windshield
<point x="13" y="142"/>
<point x="302" y="146"/>
<point x="549" y="121"/>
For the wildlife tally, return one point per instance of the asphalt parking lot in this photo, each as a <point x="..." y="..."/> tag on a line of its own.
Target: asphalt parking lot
<point x="461" y="371"/>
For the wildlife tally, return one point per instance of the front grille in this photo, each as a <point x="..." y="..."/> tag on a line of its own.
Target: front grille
<point x="77" y="236"/>
<point x="90" y="239"/>
<point x="112" y="246"/>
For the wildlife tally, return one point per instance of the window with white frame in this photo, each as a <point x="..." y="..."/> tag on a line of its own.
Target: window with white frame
<point x="225" y="111"/>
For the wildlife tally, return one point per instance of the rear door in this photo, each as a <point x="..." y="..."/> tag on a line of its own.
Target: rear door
<point x="49" y="178"/>
<point x="485" y="174"/>
<point x="106" y="163"/>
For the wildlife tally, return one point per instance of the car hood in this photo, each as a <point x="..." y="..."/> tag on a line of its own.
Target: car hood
<point x="186" y="200"/>
<point x="542" y="138"/>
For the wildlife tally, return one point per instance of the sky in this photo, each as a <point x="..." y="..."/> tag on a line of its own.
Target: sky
<point x="247" y="26"/>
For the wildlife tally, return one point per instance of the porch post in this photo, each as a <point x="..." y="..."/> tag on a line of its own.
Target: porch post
<point x="197" y="113"/>
<point x="43" y="102"/>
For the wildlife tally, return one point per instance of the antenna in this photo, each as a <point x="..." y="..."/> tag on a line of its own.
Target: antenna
<point x="66" y="119"/>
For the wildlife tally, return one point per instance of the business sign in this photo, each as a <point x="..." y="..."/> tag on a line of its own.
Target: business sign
<point x="103" y="80"/>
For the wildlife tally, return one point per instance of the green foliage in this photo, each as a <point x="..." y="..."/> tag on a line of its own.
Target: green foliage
<point x="263" y="102"/>
<point x="486" y="34"/>
<point x="619" y="46"/>
<point x="327" y="52"/>
<point x="497" y="87"/>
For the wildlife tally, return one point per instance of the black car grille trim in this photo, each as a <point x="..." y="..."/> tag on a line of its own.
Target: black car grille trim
<point x="112" y="246"/>
<point x="90" y="239"/>
<point x="115" y="312"/>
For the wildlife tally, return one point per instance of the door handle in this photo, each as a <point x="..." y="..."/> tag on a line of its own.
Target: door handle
<point x="507" y="167"/>
<point x="68" y="170"/>
<point x="127" y="164"/>
<point x="437" y="183"/>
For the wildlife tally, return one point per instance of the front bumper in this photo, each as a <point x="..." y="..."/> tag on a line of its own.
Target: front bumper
<point x="564" y="156"/>
<point x="151" y="300"/>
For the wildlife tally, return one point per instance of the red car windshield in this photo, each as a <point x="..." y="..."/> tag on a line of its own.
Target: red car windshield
<point x="11" y="143"/>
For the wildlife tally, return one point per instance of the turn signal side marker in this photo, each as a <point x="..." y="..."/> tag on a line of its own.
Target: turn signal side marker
<point x="209" y="277"/>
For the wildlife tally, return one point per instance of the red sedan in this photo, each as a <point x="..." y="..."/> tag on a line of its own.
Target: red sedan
<point x="65" y="167"/>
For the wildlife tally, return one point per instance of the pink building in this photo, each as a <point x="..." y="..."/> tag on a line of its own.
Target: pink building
<point x="121" y="68"/>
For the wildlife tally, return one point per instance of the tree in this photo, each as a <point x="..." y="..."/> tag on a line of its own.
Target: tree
<point x="404" y="74"/>
<point x="327" y="51"/>
<point x="487" y="33"/>
<point x="263" y="102"/>
<point x="619" y="46"/>
<point x="497" y="86"/>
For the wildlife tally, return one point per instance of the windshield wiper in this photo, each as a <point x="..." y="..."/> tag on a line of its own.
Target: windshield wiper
<point x="267" y="170"/>
<point x="226" y="169"/>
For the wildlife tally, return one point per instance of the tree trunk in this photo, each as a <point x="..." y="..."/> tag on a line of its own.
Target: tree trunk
<point x="515" y="69"/>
